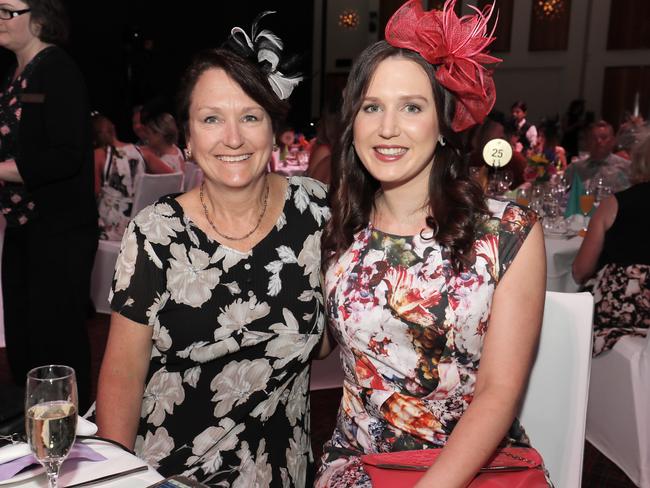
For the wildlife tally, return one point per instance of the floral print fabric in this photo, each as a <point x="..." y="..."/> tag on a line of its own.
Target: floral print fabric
<point x="121" y="168"/>
<point x="226" y="397"/>
<point x="621" y="304"/>
<point x="411" y="333"/>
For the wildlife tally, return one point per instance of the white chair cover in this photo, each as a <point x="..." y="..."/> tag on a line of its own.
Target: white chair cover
<point x="102" y="276"/>
<point x="189" y="175"/>
<point x="618" y="419"/>
<point x="149" y="188"/>
<point x="555" y="404"/>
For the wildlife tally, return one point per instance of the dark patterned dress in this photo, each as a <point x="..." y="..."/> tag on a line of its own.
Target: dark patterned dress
<point x="411" y="333"/>
<point x="226" y="397"/>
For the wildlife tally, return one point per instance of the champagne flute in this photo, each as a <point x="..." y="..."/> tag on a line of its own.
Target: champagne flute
<point x="51" y="416"/>
<point x="587" y="200"/>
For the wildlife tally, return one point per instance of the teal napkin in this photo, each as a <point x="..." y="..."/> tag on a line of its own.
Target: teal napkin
<point x="573" y="204"/>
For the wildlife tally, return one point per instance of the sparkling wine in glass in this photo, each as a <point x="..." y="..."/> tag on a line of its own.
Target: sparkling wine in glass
<point x="51" y="416"/>
<point x="587" y="200"/>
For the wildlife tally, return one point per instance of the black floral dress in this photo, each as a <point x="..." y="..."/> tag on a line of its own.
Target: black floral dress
<point x="226" y="397"/>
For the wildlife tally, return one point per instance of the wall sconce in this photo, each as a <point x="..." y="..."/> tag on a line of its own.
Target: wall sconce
<point x="549" y="9"/>
<point x="349" y="19"/>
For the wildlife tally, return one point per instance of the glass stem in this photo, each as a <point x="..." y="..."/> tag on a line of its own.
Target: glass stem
<point x="52" y="470"/>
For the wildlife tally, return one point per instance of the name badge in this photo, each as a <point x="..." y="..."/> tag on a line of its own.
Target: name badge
<point x="32" y="97"/>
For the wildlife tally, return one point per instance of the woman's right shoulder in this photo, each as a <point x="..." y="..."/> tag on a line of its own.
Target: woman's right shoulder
<point x="161" y="222"/>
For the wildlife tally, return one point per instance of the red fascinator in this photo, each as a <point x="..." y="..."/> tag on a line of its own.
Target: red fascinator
<point x="456" y="45"/>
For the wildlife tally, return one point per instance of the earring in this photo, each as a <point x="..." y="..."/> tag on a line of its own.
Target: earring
<point x="188" y="152"/>
<point x="441" y="140"/>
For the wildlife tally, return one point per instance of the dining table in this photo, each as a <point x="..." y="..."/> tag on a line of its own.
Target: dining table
<point x="136" y="472"/>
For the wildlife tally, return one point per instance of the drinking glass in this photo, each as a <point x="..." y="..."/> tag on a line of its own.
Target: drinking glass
<point x="523" y="196"/>
<point x="51" y="416"/>
<point x="587" y="200"/>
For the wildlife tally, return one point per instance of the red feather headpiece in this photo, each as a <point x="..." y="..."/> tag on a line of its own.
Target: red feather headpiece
<point x="456" y="45"/>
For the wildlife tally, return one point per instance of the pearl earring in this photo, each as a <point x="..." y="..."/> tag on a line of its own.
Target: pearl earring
<point x="441" y="140"/>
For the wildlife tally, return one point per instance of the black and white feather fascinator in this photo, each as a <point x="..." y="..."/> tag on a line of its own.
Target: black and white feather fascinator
<point x="265" y="48"/>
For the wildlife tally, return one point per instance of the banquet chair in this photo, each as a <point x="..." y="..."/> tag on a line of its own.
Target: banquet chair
<point x="192" y="177"/>
<point x="149" y="188"/>
<point x="618" y="418"/>
<point x="554" y="407"/>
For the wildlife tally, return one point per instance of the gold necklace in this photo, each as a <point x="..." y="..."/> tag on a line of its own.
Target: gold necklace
<point x="231" y="238"/>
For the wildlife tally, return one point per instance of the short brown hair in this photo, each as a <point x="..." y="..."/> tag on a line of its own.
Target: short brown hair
<point x="51" y="16"/>
<point x="640" y="166"/>
<point x="248" y="76"/>
<point x="164" y="124"/>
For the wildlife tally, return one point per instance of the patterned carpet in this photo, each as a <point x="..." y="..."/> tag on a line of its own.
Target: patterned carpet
<point x="598" y="471"/>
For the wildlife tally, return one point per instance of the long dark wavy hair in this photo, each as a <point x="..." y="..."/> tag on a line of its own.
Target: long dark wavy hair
<point x="456" y="203"/>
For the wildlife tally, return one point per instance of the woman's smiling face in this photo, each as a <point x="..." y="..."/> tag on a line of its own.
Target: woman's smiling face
<point x="230" y="134"/>
<point x="396" y="129"/>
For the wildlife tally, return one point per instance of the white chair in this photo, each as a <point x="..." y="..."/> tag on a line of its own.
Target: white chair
<point x="149" y="188"/>
<point x="554" y="408"/>
<point x="618" y="418"/>
<point x="193" y="176"/>
<point x="102" y="275"/>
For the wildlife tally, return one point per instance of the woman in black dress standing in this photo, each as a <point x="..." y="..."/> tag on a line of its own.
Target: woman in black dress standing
<point x="46" y="168"/>
<point x="217" y="306"/>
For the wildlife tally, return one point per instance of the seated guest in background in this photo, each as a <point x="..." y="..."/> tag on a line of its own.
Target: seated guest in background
<point x="424" y="278"/>
<point x="616" y="253"/>
<point x="161" y="152"/>
<point x="525" y="131"/>
<point x="601" y="163"/>
<point x="630" y="133"/>
<point x="547" y="145"/>
<point x="320" y="158"/>
<point x="285" y="137"/>
<point x="216" y="298"/>
<point x="46" y="195"/>
<point x="117" y="164"/>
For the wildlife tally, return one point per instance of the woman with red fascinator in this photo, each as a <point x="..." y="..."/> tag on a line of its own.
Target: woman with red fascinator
<point x="425" y="278"/>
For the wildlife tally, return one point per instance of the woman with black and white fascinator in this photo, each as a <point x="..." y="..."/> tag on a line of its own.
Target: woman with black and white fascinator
<point x="216" y="297"/>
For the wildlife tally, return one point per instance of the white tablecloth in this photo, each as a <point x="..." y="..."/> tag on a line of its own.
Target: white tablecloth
<point x="77" y="472"/>
<point x="560" y="253"/>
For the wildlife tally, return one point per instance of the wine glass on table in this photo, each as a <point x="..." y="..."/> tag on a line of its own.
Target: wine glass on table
<point x="51" y="416"/>
<point x="587" y="200"/>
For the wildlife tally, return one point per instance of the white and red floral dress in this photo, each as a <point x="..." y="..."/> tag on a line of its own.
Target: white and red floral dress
<point x="411" y="332"/>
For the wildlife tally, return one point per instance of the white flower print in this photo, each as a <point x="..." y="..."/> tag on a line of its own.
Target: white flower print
<point x="297" y="453"/>
<point x="188" y="278"/>
<point x="266" y="408"/>
<point x="203" y="351"/>
<point x="289" y="343"/>
<point x="233" y="287"/>
<point x="230" y="257"/>
<point x="319" y="212"/>
<point x="312" y="187"/>
<point x="158" y="224"/>
<point x="282" y="221"/>
<point x="237" y="381"/>
<point x="309" y="258"/>
<point x="161" y="337"/>
<point x="239" y="314"/>
<point x="125" y="265"/>
<point x="264" y="472"/>
<point x="209" y="444"/>
<point x="158" y="303"/>
<point x="154" y="447"/>
<point x="163" y="391"/>
<point x="296" y="403"/>
<point x="191" y="376"/>
<point x="246" y="469"/>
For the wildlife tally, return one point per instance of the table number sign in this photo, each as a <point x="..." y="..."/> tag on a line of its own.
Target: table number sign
<point x="497" y="153"/>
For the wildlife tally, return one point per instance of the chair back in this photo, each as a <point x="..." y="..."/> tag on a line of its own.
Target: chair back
<point x="554" y="408"/>
<point x="193" y="176"/>
<point x="149" y="188"/>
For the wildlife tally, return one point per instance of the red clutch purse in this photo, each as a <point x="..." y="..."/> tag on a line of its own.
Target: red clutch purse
<point x="511" y="467"/>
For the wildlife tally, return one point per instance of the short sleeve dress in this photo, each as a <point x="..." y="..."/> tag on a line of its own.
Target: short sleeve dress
<point x="226" y="396"/>
<point x="411" y="331"/>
